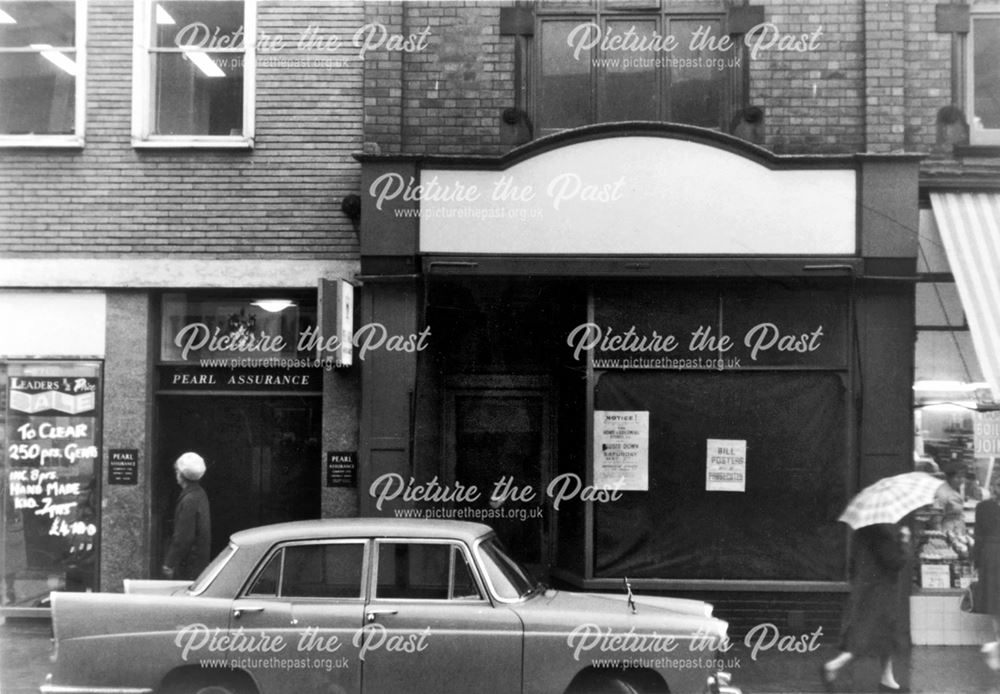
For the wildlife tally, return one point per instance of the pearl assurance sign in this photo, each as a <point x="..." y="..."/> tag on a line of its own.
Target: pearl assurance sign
<point x="726" y="467"/>
<point x="621" y="450"/>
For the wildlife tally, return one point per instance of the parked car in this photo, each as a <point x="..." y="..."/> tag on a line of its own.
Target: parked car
<point x="373" y="606"/>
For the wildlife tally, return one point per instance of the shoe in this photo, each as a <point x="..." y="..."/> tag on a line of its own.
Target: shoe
<point x="887" y="688"/>
<point x="827" y="678"/>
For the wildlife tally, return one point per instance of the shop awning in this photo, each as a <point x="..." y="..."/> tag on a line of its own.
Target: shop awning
<point x="969" y="224"/>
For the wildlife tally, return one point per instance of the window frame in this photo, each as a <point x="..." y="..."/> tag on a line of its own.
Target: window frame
<point x="983" y="136"/>
<point x="142" y="80"/>
<point x="484" y="594"/>
<point x="77" y="139"/>
<point x="600" y="12"/>
<point x="279" y="549"/>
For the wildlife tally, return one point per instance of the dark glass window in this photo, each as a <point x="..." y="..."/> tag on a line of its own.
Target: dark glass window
<point x="620" y="60"/>
<point x="423" y="571"/>
<point x="322" y="571"/>
<point x="38" y="68"/>
<point x="196" y="54"/>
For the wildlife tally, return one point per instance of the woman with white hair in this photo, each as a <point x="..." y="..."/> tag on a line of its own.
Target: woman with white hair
<point x="190" y="546"/>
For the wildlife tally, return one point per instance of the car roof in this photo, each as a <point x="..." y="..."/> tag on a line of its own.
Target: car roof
<point x="362" y="527"/>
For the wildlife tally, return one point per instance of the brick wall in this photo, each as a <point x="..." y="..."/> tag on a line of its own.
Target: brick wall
<point x="280" y="200"/>
<point x="446" y="98"/>
<point x="928" y="78"/>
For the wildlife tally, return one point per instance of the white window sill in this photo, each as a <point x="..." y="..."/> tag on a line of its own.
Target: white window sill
<point x="207" y="142"/>
<point x="41" y="141"/>
<point x="987" y="138"/>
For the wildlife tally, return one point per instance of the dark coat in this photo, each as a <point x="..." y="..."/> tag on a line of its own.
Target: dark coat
<point x="190" y="546"/>
<point x="986" y="555"/>
<point x="872" y="626"/>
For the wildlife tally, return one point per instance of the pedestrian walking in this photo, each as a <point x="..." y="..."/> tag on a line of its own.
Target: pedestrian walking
<point x="190" y="546"/>
<point x="872" y="622"/>
<point x="986" y="559"/>
<point x="880" y="547"/>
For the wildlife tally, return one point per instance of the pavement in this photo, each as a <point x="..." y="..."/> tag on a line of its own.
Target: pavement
<point x="25" y="649"/>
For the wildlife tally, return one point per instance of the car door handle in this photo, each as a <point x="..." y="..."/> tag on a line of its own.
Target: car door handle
<point x="373" y="613"/>
<point x="240" y="611"/>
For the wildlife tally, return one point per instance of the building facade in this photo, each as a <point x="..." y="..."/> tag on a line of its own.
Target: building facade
<point x="645" y="284"/>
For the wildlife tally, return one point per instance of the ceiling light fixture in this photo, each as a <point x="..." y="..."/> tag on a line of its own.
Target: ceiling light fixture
<point x="208" y="67"/>
<point x="162" y="16"/>
<point x="273" y="305"/>
<point x="6" y="18"/>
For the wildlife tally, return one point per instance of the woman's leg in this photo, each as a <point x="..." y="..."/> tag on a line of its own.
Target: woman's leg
<point x="888" y="678"/>
<point x="832" y="667"/>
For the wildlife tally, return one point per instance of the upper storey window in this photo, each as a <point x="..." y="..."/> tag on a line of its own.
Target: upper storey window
<point x="42" y="73"/>
<point x="615" y="60"/>
<point x="984" y="79"/>
<point x="194" y="73"/>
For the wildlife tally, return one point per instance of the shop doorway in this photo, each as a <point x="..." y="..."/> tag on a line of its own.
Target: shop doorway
<point x="498" y="429"/>
<point x="262" y="454"/>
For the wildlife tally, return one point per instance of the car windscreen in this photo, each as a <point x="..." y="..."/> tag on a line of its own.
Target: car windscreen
<point x="213" y="569"/>
<point x="508" y="577"/>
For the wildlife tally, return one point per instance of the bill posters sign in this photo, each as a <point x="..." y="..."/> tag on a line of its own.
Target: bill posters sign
<point x="621" y="450"/>
<point x="726" y="466"/>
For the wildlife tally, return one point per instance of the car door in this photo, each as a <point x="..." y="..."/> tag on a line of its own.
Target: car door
<point x="311" y="594"/>
<point x="431" y="627"/>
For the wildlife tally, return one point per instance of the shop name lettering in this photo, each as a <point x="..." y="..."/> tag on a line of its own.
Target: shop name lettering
<point x="370" y="37"/>
<point x="194" y="638"/>
<point x="369" y="337"/>
<point x="588" y="638"/>
<point x="765" y="36"/>
<point x="761" y="338"/>
<point x="565" y="187"/>
<point x="567" y="486"/>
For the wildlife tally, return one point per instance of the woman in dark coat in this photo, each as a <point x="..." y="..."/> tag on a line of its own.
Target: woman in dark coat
<point x="190" y="546"/>
<point x="871" y="628"/>
<point x="986" y="558"/>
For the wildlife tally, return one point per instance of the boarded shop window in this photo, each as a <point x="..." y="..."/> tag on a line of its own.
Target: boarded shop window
<point x="194" y="72"/>
<point x="51" y="479"/>
<point x="41" y="72"/>
<point x="984" y="79"/>
<point x="625" y="61"/>
<point x="782" y="527"/>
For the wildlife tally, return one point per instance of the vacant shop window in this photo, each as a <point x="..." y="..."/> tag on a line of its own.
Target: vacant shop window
<point x="41" y="73"/>
<point x="194" y="74"/>
<point x="984" y="79"/>
<point x="626" y="60"/>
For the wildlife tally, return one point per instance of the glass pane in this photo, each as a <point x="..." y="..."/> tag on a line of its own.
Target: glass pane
<point x="565" y="77"/>
<point x="697" y="77"/>
<point x="198" y="93"/>
<point x="51" y="473"/>
<point x="413" y="571"/>
<point x="986" y="72"/>
<point x="239" y="325"/>
<point x="37" y="93"/>
<point x="266" y="582"/>
<point x="628" y="79"/>
<point x="208" y="25"/>
<point x="25" y="23"/>
<point x="464" y="584"/>
<point x="323" y="571"/>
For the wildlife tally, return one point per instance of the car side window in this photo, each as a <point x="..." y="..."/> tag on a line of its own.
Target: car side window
<point x="424" y="571"/>
<point x="323" y="570"/>
<point x="266" y="583"/>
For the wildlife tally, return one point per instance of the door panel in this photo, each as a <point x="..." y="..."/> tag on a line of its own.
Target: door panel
<point x="495" y="434"/>
<point x="429" y="622"/>
<point x="262" y="454"/>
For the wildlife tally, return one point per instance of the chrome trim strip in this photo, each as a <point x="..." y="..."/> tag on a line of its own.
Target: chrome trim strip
<point x="68" y="689"/>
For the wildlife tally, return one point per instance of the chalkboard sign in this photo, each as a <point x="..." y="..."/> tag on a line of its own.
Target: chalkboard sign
<point x="123" y="466"/>
<point x="51" y="478"/>
<point x="341" y="469"/>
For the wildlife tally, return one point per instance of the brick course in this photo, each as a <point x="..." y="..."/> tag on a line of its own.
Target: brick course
<point x="280" y="200"/>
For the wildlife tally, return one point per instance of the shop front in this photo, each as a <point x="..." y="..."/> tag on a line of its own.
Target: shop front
<point x="102" y="390"/>
<point x="654" y="353"/>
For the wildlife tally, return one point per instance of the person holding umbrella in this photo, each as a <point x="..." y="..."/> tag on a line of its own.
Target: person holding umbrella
<point x="879" y="550"/>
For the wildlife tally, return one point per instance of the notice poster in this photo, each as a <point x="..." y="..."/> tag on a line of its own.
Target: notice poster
<point x="726" y="466"/>
<point x="51" y="476"/>
<point x="986" y="434"/>
<point x="621" y="450"/>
